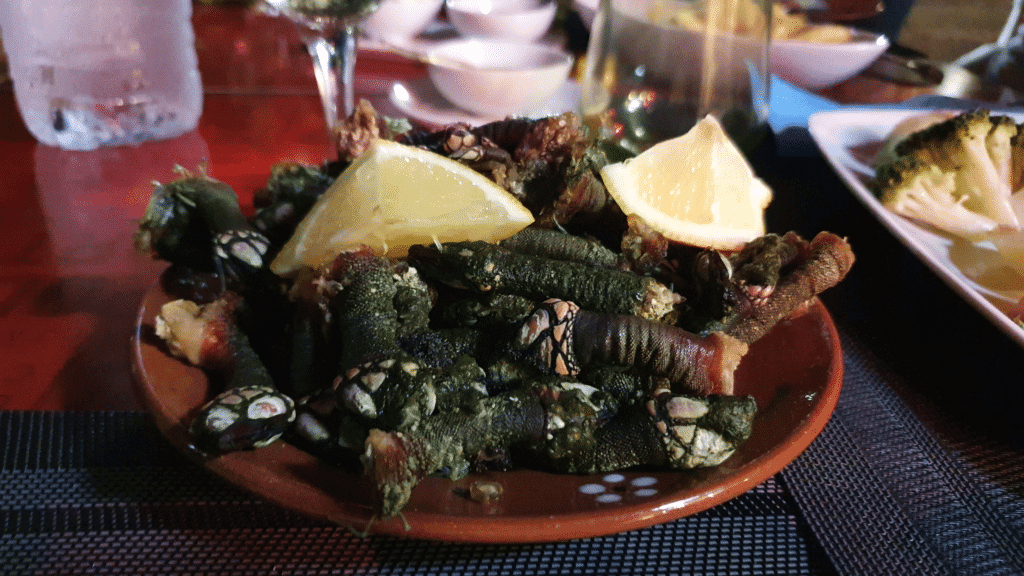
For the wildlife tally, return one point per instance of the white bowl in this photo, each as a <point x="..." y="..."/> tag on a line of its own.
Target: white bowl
<point x="818" y="65"/>
<point x="401" y="19"/>
<point x="501" y="77"/>
<point x="526" y="20"/>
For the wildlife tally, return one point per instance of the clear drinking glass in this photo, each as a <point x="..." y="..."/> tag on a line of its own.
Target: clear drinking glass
<point x="655" y="67"/>
<point x="112" y="73"/>
<point x="329" y="28"/>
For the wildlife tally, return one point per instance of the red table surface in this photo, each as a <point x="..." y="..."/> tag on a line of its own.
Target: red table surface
<point x="70" y="280"/>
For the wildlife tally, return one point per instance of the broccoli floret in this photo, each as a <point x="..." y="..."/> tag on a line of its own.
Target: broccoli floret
<point x="926" y="193"/>
<point x="975" y="148"/>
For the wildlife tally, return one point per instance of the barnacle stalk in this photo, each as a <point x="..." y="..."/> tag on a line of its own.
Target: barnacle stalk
<point x="397" y="460"/>
<point x="485" y="267"/>
<point x="208" y="337"/>
<point x="566" y="338"/>
<point x="828" y="261"/>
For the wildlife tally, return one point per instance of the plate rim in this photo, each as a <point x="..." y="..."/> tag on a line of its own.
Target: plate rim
<point x="521" y="529"/>
<point x="823" y="130"/>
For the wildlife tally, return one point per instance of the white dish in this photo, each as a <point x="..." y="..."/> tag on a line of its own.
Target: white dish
<point x="419" y="100"/>
<point x="848" y="140"/>
<point x="491" y="77"/>
<point x="818" y="65"/>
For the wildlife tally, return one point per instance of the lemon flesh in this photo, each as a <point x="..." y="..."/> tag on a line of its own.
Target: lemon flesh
<point x="395" y="196"/>
<point x="696" y="189"/>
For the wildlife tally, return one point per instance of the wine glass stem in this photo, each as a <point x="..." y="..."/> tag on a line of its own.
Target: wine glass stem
<point x="334" y="62"/>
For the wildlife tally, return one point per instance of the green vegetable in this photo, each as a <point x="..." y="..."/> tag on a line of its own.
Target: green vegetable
<point x="957" y="175"/>
<point x="925" y="193"/>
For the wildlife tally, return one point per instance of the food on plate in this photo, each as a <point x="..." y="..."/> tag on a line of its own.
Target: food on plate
<point x="242" y="418"/>
<point x="585" y="342"/>
<point x="696" y="189"/>
<point x="747" y="17"/>
<point x="196" y="221"/>
<point x="926" y="193"/>
<point x="395" y="196"/>
<point x="1010" y="244"/>
<point x="958" y="175"/>
<point x="906" y="127"/>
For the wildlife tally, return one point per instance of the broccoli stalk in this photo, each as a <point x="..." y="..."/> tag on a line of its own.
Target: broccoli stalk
<point x="926" y="193"/>
<point x="1017" y="161"/>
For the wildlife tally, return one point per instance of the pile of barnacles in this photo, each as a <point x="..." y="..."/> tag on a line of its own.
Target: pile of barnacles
<point x="585" y="343"/>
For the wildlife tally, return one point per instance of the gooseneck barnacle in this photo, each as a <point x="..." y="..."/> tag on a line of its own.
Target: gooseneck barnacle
<point x="565" y="338"/>
<point x="561" y="351"/>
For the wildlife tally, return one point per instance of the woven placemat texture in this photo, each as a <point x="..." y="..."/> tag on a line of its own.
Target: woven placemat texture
<point x="103" y="493"/>
<point x="893" y="490"/>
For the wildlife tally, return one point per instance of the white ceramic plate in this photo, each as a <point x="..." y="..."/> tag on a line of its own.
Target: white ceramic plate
<point x="419" y="100"/>
<point x="849" y="139"/>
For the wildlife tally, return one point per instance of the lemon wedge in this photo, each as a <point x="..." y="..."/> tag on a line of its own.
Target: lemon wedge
<point x="697" y="189"/>
<point x="395" y="196"/>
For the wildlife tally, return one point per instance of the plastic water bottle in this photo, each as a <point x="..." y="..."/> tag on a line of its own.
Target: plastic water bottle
<point x="103" y="72"/>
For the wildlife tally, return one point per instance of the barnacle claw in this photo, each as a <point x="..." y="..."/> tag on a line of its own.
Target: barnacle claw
<point x="242" y="418"/>
<point x="392" y="463"/>
<point x="196" y="221"/>
<point x="676" y="431"/>
<point x="760" y="265"/>
<point x="552" y="325"/>
<point x="700" y="433"/>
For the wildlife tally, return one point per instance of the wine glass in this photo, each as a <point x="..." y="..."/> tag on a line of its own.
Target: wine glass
<point x="329" y="29"/>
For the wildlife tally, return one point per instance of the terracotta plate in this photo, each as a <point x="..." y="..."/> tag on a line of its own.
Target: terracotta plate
<point x="795" y="372"/>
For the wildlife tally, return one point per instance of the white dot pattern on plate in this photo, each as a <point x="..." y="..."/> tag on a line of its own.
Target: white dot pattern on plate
<point x="614" y="487"/>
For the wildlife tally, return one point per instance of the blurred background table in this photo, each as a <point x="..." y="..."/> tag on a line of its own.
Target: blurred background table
<point x="921" y="470"/>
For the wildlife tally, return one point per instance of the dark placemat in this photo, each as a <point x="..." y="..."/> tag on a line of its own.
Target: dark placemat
<point x="891" y="489"/>
<point x="103" y="493"/>
<point x="921" y="468"/>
